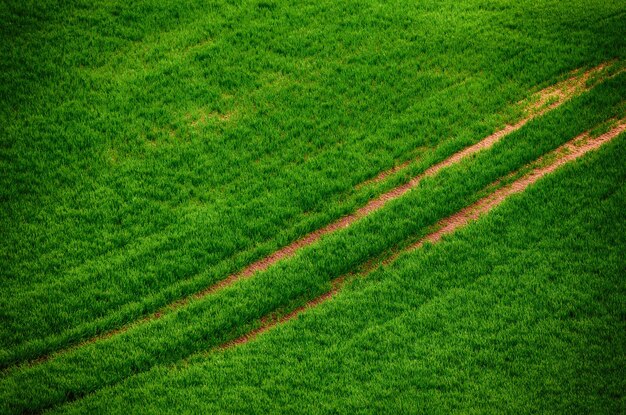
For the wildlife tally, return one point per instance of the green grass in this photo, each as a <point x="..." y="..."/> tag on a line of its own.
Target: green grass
<point x="150" y="149"/>
<point x="521" y="312"/>
<point x="233" y="311"/>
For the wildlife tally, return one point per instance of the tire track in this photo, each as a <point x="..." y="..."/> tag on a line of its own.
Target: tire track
<point x="546" y="164"/>
<point x="566" y="153"/>
<point x="545" y="100"/>
<point x="542" y="102"/>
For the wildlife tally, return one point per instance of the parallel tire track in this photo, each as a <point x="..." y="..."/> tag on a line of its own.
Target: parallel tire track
<point x="543" y="101"/>
<point x="568" y="152"/>
<point x="559" y="93"/>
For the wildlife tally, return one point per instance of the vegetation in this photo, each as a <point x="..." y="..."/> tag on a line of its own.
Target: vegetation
<point x="151" y="149"/>
<point x="228" y="313"/>
<point x="520" y="312"/>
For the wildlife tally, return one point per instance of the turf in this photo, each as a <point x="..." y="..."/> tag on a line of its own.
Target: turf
<point x="521" y="312"/>
<point x="226" y="314"/>
<point x="149" y="149"/>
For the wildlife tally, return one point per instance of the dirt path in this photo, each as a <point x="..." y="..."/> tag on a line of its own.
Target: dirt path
<point x="564" y="154"/>
<point x="541" y="102"/>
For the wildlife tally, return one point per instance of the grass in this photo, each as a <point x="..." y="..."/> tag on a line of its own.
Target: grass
<point x="151" y="149"/>
<point x="518" y="313"/>
<point x="233" y="311"/>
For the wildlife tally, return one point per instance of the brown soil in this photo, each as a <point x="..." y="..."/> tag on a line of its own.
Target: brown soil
<point x="267" y="324"/>
<point x="566" y="90"/>
<point x="545" y="100"/>
<point x="564" y="154"/>
<point x="563" y="91"/>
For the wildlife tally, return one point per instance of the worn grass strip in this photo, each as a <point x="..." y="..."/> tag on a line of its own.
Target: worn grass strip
<point x="216" y="319"/>
<point x="512" y="307"/>
<point x="568" y="152"/>
<point x="162" y="302"/>
<point x="540" y="103"/>
<point x="435" y="88"/>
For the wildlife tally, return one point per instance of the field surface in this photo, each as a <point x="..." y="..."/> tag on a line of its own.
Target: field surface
<point x="313" y="207"/>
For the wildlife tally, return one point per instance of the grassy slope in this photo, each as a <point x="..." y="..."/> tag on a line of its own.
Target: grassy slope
<point x="223" y="315"/>
<point x="149" y="149"/>
<point x="521" y="312"/>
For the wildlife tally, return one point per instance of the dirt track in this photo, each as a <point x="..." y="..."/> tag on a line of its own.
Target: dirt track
<point x="568" y="152"/>
<point x="560" y="93"/>
<point x="542" y="102"/>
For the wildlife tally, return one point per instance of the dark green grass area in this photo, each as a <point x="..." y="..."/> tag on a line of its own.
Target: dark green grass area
<point x="150" y="148"/>
<point x="521" y="312"/>
<point x="231" y="312"/>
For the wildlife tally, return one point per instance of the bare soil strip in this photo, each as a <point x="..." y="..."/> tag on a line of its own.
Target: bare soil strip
<point x="541" y="102"/>
<point x="560" y="92"/>
<point x="268" y="323"/>
<point x="564" y="154"/>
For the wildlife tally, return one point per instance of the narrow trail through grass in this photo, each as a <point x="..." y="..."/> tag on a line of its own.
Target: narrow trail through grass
<point x="568" y="152"/>
<point x="539" y="104"/>
<point x="152" y="149"/>
<point x="234" y="311"/>
<point x="178" y="177"/>
<point x="519" y="312"/>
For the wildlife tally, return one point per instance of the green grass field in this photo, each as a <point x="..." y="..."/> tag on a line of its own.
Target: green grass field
<point x="150" y="150"/>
